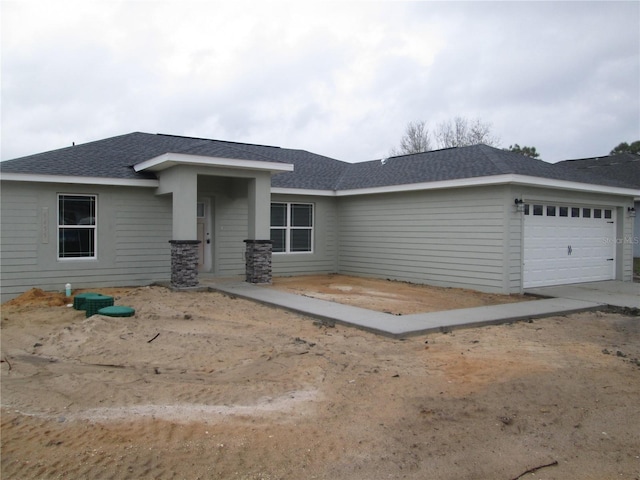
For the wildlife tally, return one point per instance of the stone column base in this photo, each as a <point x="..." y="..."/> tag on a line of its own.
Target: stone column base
<point x="258" y="261"/>
<point x="184" y="263"/>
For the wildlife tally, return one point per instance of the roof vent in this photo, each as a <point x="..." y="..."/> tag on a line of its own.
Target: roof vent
<point x="383" y="160"/>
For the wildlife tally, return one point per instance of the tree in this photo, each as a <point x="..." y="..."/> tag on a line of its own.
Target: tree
<point x="459" y="132"/>
<point x="624" y="147"/>
<point x="462" y="132"/>
<point x="415" y="139"/>
<point x="524" y="150"/>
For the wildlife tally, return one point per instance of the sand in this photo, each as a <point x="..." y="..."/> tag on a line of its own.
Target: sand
<point x="202" y="385"/>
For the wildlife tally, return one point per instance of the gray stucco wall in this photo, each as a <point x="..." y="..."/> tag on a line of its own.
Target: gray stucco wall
<point x="133" y="230"/>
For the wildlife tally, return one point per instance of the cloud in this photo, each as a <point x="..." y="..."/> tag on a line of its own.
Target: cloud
<point x="340" y="79"/>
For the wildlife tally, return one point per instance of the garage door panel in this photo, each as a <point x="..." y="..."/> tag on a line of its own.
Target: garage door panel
<point x="560" y="250"/>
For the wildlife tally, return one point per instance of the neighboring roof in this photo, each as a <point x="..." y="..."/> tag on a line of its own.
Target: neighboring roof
<point x="624" y="167"/>
<point x="114" y="158"/>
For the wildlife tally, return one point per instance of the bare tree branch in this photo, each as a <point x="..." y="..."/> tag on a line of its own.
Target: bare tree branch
<point x="461" y="132"/>
<point x="415" y="140"/>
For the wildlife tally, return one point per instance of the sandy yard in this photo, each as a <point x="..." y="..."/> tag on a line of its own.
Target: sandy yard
<point x="204" y="386"/>
<point x="396" y="298"/>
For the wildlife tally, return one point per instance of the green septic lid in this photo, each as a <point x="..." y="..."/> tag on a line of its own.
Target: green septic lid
<point x="85" y="294"/>
<point x="80" y="300"/>
<point x="117" y="311"/>
<point x="96" y="296"/>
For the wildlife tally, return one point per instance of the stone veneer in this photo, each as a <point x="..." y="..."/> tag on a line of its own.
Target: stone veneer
<point x="184" y="263"/>
<point x="258" y="261"/>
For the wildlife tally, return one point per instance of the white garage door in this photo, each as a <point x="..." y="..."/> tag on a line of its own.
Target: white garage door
<point x="568" y="244"/>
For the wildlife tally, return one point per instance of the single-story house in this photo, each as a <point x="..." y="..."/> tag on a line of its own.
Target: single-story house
<point x="624" y="167"/>
<point x="140" y="208"/>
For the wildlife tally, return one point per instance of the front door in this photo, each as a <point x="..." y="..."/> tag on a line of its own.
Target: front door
<point x="204" y="223"/>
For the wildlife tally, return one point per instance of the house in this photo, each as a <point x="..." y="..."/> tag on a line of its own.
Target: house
<point x="139" y="208"/>
<point x="623" y="167"/>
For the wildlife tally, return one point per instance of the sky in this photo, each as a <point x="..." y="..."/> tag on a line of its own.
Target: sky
<point x="341" y="79"/>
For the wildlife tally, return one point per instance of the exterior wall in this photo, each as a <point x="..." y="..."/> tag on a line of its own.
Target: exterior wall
<point x="624" y="223"/>
<point x="636" y="232"/>
<point x="133" y="231"/>
<point x="324" y="258"/>
<point x="454" y="238"/>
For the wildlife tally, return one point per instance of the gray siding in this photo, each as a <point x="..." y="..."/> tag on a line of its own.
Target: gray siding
<point x="635" y="240"/>
<point x="325" y="247"/>
<point x="451" y="238"/>
<point x="134" y="227"/>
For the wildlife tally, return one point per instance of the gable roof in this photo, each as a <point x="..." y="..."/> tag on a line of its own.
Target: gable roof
<point x="115" y="158"/>
<point x="623" y="167"/>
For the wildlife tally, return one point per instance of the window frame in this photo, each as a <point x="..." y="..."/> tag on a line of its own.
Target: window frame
<point x="288" y="228"/>
<point x="93" y="227"/>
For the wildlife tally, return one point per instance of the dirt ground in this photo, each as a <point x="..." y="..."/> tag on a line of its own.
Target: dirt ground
<point x="205" y="386"/>
<point x="396" y="298"/>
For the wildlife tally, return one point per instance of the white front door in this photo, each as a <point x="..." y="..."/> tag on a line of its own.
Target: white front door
<point x="204" y="223"/>
<point x="568" y="244"/>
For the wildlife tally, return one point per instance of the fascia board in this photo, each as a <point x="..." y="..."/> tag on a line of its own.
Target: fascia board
<point x="467" y="182"/>
<point x="302" y="191"/>
<point x="120" y="182"/>
<point x="494" y="180"/>
<point x="168" y="160"/>
<point x="575" y="186"/>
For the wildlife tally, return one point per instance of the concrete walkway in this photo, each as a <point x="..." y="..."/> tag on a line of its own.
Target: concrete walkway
<point x="421" y="323"/>
<point x="617" y="294"/>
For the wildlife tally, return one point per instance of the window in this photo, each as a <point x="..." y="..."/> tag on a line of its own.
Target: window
<point x="537" y="210"/>
<point x="586" y="213"/>
<point x="551" y="211"/>
<point x="564" y="211"/>
<point x="597" y="213"/>
<point x="607" y="214"/>
<point x="292" y="227"/>
<point x="77" y="226"/>
<point x="575" y="212"/>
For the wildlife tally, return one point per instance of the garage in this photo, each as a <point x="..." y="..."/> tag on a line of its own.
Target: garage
<point x="568" y="244"/>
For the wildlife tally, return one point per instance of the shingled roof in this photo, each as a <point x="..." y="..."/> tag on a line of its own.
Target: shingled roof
<point x="460" y="163"/>
<point x="624" y="167"/>
<point x="115" y="157"/>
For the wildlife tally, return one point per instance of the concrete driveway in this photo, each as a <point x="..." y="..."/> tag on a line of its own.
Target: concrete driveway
<point x="618" y="294"/>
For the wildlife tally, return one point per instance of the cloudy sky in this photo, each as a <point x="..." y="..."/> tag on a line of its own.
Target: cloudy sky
<point x="341" y="79"/>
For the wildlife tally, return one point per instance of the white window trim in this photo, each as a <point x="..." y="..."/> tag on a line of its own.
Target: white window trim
<point x="94" y="227"/>
<point x="288" y="228"/>
<point x="580" y="206"/>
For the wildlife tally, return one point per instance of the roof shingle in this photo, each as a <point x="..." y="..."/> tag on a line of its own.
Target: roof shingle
<point x="115" y="157"/>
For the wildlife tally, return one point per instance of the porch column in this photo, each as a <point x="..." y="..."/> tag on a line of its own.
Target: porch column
<point x="182" y="183"/>
<point x="184" y="263"/>
<point x="258" y="246"/>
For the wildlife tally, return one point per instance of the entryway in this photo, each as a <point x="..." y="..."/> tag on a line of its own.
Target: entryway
<point x="205" y="234"/>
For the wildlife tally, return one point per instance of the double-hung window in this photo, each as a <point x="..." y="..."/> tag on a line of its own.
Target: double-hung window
<point x="77" y="226"/>
<point x="292" y="227"/>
